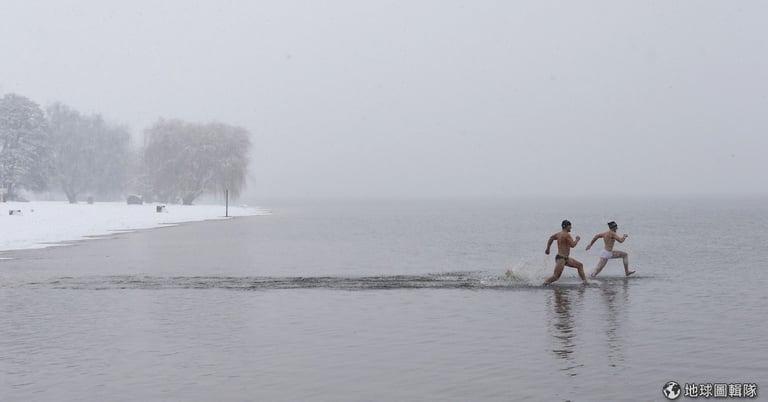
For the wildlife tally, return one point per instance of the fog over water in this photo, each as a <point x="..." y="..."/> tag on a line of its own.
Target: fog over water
<point x="428" y="98"/>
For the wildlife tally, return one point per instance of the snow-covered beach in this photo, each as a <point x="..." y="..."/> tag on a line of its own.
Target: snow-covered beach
<point x="40" y="224"/>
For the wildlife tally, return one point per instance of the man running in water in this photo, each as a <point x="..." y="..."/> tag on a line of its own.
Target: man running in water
<point x="610" y="238"/>
<point x="564" y="245"/>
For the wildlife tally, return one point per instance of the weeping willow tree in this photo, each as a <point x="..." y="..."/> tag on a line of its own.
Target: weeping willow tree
<point x="185" y="160"/>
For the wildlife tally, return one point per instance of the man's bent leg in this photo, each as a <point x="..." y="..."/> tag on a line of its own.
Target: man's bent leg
<point x="559" y="265"/>
<point x="572" y="262"/>
<point x="600" y="266"/>
<point x="625" y="258"/>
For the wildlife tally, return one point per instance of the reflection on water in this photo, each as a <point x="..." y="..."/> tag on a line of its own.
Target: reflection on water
<point x="565" y="315"/>
<point x="561" y="321"/>
<point x="616" y="298"/>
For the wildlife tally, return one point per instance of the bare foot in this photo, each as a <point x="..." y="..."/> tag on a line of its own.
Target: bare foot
<point x="630" y="273"/>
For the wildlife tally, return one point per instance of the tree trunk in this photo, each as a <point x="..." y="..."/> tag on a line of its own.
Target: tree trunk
<point x="9" y="193"/>
<point x="71" y="196"/>
<point x="188" y="199"/>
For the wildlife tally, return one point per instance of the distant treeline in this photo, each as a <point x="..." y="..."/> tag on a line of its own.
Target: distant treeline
<point x="61" y="149"/>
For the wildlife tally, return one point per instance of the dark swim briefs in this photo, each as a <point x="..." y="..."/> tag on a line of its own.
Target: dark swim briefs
<point x="561" y="257"/>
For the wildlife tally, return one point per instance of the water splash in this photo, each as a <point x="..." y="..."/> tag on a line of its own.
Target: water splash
<point x="530" y="270"/>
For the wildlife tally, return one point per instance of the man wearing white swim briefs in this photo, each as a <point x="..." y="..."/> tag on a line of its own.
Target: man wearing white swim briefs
<point x="606" y="254"/>
<point x="610" y="238"/>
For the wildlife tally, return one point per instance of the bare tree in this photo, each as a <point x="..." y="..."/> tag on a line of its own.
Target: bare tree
<point x="89" y="154"/>
<point x="186" y="160"/>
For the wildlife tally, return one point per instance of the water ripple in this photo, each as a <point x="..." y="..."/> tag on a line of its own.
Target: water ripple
<point x="451" y="280"/>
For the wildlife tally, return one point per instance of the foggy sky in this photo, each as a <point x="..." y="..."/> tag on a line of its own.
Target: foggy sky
<point x="424" y="98"/>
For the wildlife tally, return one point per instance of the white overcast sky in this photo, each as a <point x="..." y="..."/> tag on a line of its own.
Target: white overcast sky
<point x="425" y="98"/>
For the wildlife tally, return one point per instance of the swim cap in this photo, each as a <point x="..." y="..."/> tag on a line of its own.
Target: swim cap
<point x="565" y="223"/>
<point x="612" y="225"/>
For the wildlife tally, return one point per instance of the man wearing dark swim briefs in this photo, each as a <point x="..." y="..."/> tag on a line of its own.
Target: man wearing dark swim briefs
<point x="564" y="245"/>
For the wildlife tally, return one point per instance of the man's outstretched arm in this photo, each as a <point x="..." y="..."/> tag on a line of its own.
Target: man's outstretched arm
<point x="549" y="243"/>
<point x="620" y="239"/>
<point x="574" y="242"/>
<point x="594" y="239"/>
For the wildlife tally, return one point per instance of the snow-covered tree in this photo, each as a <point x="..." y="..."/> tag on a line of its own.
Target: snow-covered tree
<point x="89" y="154"/>
<point x="113" y="145"/>
<point x="186" y="160"/>
<point x="24" y="146"/>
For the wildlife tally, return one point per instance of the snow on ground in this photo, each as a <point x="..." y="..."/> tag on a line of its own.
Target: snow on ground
<point x="45" y="223"/>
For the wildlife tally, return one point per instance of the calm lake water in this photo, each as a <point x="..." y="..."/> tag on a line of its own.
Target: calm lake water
<point x="393" y="301"/>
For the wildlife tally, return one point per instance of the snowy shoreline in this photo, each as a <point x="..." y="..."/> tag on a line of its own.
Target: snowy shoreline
<point x="41" y="224"/>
